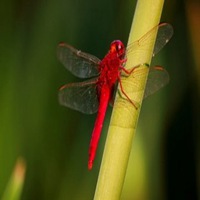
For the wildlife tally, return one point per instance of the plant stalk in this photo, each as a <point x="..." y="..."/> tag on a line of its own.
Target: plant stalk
<point x="125" y="116"/>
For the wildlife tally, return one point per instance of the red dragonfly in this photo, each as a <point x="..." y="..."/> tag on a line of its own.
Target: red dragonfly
<point x="94" y="95"/>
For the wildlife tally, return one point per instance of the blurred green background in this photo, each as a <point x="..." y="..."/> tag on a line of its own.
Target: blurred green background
<point x="164" y="162"/>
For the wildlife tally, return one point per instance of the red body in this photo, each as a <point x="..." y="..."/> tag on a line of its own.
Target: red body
<point x="109" y="68"/>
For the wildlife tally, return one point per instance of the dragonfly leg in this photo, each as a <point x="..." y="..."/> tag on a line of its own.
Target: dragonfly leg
<point x="124" y="93"/>
<point x="128" y="72"/>
<point x="123" y="60"/>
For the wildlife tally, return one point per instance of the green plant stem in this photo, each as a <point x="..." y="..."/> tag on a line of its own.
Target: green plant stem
<point x="124" y="117"/>
<point x="14" y="188"/>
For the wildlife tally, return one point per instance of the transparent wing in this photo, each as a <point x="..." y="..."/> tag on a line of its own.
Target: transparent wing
<point x="165" y="32"/>
<point x="80" y="96"/>
<point x="158" y="77"/>
<point x="82" y="65"/>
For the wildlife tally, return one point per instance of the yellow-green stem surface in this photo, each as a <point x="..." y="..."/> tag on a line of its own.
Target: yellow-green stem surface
<point x="124" y="117"/>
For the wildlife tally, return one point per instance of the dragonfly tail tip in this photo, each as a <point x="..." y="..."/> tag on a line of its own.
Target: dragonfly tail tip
<point x="90" y="164"/>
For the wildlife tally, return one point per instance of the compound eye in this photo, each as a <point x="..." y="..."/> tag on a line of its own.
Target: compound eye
<point x="117" y="46"/>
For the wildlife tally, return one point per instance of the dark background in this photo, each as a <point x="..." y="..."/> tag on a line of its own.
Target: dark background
<point x="164" y="163"/>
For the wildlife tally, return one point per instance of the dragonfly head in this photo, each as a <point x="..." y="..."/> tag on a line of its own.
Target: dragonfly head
<point x="117" y="47"/>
